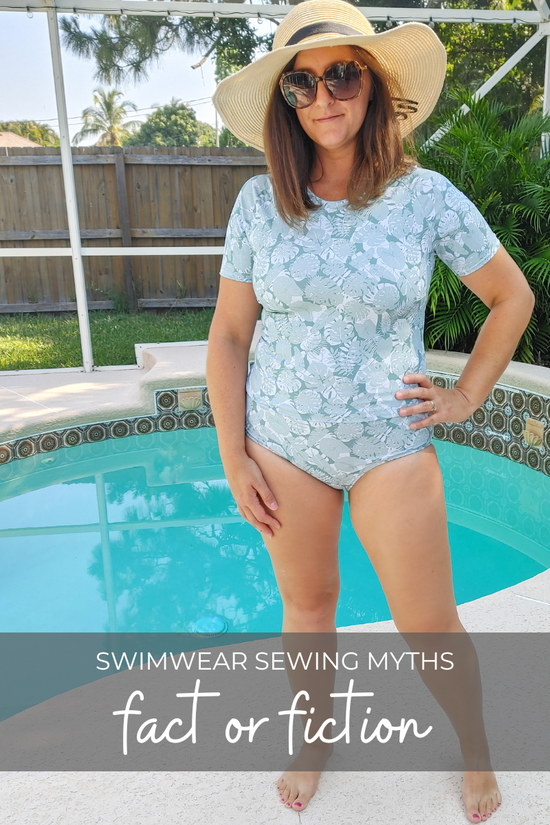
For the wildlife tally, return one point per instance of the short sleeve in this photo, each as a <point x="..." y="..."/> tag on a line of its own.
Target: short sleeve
<point x="463" y="238"/>
<point x="237" y="258"/>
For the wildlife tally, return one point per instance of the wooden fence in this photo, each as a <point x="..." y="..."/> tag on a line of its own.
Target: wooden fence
<point x="136" y="196"/>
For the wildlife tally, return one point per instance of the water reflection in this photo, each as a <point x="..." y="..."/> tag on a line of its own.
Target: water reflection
<point x="142" y="534"/>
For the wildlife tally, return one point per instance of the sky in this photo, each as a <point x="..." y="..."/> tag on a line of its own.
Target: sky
<point x="27" y="91"/>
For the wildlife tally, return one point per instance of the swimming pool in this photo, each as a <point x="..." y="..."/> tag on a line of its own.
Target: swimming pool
<point x="141" y="534"/>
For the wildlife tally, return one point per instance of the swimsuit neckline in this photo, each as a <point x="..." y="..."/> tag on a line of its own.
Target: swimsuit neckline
<point x="323" y="201"/>
<point x="344" y="201"/>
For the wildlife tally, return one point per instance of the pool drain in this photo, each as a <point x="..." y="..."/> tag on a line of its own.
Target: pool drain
<point x="210" y="626"/>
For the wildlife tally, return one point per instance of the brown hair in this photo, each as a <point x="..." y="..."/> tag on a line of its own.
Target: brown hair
<point x="379" y="159"/>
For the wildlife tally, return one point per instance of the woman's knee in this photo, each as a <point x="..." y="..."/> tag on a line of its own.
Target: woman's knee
<point x="437" y="622"/>
<point x="311" y="606"/>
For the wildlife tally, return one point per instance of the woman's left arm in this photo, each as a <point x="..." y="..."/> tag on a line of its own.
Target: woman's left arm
<point x="502" y="286"/>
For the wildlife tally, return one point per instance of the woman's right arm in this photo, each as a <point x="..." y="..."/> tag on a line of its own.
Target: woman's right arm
<point x="229" y="342"/>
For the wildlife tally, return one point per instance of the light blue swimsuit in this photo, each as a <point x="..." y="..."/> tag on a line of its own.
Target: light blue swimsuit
<point x="344" y="297"/>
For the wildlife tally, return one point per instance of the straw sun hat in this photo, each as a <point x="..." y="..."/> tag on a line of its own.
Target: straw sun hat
<point x="412" y="53"/>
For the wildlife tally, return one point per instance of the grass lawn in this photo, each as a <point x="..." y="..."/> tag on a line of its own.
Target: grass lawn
<point x="49" y="341"/>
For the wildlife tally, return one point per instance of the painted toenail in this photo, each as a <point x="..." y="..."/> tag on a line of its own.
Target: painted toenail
<point x="299" y="803"/>
<point x="288" y="804"/>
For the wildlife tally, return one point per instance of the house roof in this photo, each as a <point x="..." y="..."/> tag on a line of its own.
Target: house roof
<point x="11" y="139"/>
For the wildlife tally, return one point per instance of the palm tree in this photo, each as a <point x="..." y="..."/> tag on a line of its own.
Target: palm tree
<point x="105" y="118"/>
<point x="536" y="103"/>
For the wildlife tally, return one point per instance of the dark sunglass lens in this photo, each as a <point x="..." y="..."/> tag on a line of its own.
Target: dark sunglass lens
<point x="299" y="89"/>
<point x="343" y="80"/>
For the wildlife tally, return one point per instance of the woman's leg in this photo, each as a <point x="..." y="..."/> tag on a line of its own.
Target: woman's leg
<point x="398" y="512"/>
<point x="304" y="554"/>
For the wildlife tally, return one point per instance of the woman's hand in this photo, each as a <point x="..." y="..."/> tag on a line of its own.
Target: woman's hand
<point x="253" y="497"/>
<point x="451" y="405"/>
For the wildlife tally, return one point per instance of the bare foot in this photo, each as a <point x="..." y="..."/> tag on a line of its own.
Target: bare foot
<point x="480" y="789"/>
<point x="296" y="786"/>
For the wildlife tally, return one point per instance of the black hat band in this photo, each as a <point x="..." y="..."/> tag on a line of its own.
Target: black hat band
<point x="321" y="28"/>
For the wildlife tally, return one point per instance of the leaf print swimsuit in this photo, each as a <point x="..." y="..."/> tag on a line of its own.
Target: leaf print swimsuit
<point x="344" y="298"/>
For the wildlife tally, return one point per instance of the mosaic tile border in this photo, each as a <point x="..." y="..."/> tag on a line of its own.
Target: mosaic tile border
<point x="496" y="426"/>
<point x="168" y="416"/>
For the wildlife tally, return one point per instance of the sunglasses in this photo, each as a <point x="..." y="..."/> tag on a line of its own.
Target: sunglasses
<point x="343" y="81"/>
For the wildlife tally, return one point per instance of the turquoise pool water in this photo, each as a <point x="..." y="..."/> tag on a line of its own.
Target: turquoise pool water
<point x="141" y="534"/>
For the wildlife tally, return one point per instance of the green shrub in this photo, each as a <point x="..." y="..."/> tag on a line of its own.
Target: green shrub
<point x="501" y="170"/>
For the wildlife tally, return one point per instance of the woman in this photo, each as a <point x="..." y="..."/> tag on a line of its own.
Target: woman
<point x="337" y="244"/>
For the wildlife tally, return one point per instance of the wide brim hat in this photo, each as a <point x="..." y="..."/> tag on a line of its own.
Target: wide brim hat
<point x="412" y="53"/>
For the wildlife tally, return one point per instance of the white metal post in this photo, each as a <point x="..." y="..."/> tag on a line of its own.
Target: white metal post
<point x="106" y="552"/>
<point x="543" y="7"/>
<point x="545" y="143"/>
<point x="70" y="194"/>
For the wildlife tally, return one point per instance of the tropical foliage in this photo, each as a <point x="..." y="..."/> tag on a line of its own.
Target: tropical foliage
<point x="124" y="47"/>
<point x="476" y="51"/>
<point x="38" y="132"/>
<point x="173" y="125"/>
<point x="107" y="118"/>
<point x="127" y="46"/>
<point x="500" y="168"/>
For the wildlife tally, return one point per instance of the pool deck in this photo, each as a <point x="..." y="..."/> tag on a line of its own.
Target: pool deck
<point x="250" y="798"/>
<point x="32" y="403"/>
